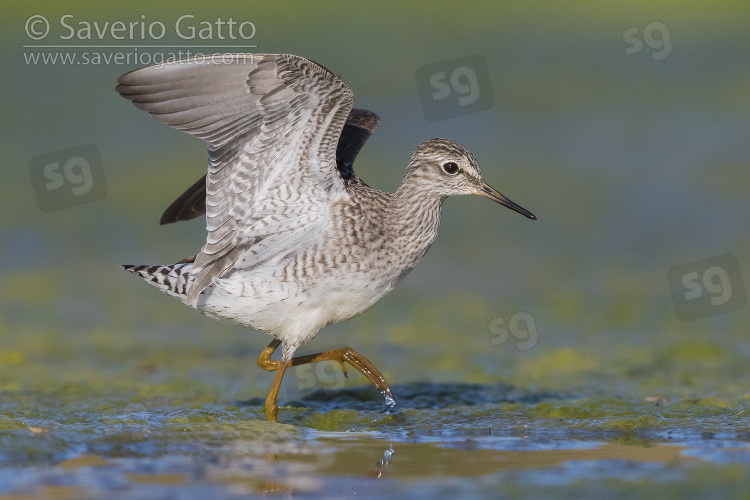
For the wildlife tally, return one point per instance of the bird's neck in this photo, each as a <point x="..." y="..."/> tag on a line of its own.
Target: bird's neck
<point x="416" y="214"/>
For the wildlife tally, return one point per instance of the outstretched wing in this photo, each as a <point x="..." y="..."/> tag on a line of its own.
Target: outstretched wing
<point x="272" y="123"/>
<point x="359" y="126"/>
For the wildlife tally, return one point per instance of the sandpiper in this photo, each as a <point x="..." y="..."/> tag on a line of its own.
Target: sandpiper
<point x="296" y="241"/>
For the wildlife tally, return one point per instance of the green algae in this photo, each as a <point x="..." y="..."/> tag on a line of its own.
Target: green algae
<point x="546" y="410"/>
<point x="334" y="420"/>
<point x="8" y="423"/>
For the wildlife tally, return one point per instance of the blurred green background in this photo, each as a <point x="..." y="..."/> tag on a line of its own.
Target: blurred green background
<point x="633" y="164"/>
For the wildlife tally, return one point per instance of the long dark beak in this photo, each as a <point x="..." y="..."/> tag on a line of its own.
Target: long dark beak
<point x="493" y="194"/>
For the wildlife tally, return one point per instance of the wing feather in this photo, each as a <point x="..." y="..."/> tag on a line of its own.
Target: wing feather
<point x="360" y="124"/>
<point x="271" y="124"/>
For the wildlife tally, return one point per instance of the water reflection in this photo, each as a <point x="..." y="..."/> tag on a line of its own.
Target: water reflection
<point x="344" y="464"/>
<point x="382" y="464"/>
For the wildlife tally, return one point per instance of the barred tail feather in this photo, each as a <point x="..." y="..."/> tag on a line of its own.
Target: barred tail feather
<point x="173" y="279"/>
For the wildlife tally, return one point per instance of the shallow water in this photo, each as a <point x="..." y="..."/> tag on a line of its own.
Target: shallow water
<point x="600" y="427"/>
<point x="442" y="440"/>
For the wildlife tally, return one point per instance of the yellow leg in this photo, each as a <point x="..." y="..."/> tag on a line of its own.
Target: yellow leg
<point x="341" y="356"/>
<point x="361" y="363"/>
<point x="272" y="407"/>
<point x="265" y="361"/>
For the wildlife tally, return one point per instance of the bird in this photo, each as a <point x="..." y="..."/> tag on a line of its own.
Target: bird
<point x="296" y="241"/>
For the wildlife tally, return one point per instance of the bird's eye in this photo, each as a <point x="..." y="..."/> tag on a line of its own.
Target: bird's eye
<point x="450" y="167"/>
